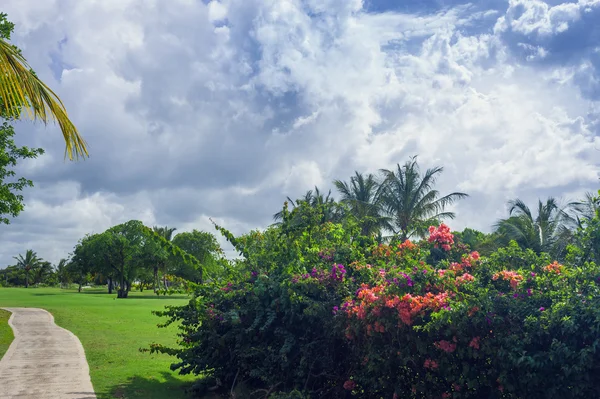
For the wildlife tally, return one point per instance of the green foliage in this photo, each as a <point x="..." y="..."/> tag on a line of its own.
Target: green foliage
<point x="545" y="232"/>
<point x="204" y="247"/>
<point x="411" y="201"/>
<point x="28" y="264"/>
<point x="6" y="334"/>
<point x="317" y="310"/>
<point x="11" y="202"/>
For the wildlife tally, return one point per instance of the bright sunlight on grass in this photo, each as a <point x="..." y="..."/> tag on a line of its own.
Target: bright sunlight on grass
<point x="111" y="332"/>
<point x="6" y="334"/>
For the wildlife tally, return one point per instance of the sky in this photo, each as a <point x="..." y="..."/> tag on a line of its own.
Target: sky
<point x="221" y="109"/>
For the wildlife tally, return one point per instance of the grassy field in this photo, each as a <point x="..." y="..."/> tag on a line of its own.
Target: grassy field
<point x="6" y="334"/>
<point x="111" y="331"/>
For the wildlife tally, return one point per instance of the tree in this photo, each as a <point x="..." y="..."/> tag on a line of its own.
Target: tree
<point x="119" y="248"/>
<point x="27" y="264"/>
<point x="330" y="209"/>
<point x="43" y="273"/>
<point x="62" y="272"/>
<point x="159" y="255"/>
<point x="363" y="197"/>
<point x="205" y="248"/>
<point x="410" y="201"/>
<point x="546" y="232"/>
<point x="20" y="89"/>
<point x="78" y="271"/>
<point x="478" y="241"/>
<point x="11" y="202"/>
<point x="586" y="209"/>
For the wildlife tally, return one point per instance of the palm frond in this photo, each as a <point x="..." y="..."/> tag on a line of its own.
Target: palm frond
<point x="21" y="89"/>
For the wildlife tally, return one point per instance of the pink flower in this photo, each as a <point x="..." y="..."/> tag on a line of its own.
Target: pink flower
<point x="441" y="237"/>
<point x="349" y="385"/>
<point x="446" y="346"/>
<point x="474" y="343"/>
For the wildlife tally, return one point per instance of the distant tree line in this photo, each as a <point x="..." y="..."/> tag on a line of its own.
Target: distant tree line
<point x="123" y="256"/>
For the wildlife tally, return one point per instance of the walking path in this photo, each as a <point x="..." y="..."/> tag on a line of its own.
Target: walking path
<point x="44" y="361"/>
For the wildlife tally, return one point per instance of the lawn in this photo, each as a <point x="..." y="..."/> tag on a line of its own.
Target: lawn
<point x="6" y="334"/>
<point x="111" y="331"/>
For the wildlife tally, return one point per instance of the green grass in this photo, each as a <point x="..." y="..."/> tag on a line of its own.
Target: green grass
<point x="6" y="334"/>
<point x="111" y="331"/>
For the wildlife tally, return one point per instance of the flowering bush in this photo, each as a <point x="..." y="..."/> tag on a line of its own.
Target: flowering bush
<point x="319" y="312"/>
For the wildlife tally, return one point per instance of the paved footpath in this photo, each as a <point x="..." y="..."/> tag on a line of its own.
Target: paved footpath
<point x="44" y="361"/>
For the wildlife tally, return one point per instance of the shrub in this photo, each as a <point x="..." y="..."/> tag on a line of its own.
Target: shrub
<point x="317" y="311"/>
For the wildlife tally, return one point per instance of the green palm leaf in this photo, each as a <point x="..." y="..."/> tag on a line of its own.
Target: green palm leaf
<point x="21" y="89"/>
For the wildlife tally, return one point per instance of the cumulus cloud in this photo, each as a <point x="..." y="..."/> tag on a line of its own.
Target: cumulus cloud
<point x="223" y="108"/>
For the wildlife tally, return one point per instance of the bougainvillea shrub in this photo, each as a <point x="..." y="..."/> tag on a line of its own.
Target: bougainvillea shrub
<point x="318" y="312"/>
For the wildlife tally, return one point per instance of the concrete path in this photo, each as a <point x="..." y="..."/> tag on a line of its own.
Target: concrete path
<point x="44" y="361"/>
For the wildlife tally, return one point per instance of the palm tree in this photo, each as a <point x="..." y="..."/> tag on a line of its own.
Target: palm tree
<point x="166" y="233"/>
<point x="362" y="195"/>
<point x="28" y="263"/>
<point x="21" y="89"/>
<point x="410" y="201"/>
<point x="62" y="272"/>
<point x="42" y="272"/>
<point x="315" y="199"/>
<point x="546" y="232"/>
<point x="585" y="209"/>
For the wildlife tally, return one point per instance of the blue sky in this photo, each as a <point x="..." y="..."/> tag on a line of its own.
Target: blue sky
<point x="198" y="109"/>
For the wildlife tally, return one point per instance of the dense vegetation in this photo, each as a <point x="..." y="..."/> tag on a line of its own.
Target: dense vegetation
<point x="371" y="296"/>
<point x="324" y="304"/>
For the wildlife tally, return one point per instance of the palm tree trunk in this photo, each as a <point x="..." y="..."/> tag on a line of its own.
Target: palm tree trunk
<point x="110" y="285"/>
<point x="155" y="281"/>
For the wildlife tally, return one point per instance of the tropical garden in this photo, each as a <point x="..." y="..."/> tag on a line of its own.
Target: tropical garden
<point x="365" y="292"/>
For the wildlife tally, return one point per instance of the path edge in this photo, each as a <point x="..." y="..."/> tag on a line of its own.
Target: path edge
<point x="79" y="345"/>
<point x="80" y="349"/>
<point x="13" y="345"/>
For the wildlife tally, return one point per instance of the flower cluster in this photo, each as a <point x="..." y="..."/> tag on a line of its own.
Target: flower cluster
<point x="464" y="279"/>
<point x="430" y="364"/>
<point x="372" y="301"/>
<point x="554" y="267"/>
<point x="512" y="277"/>
<point x="327" y="254"/>
<point x="475" y="343"/>
<point x="446" y="346"/>
<point x="441" y="237"/>
<point x="337" y="272"/>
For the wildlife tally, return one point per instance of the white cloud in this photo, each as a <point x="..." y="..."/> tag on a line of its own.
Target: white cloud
<point x="223" y="109"/>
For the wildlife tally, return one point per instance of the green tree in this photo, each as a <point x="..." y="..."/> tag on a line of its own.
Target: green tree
<point x="330" y="209"/>
<point x="28" y="264"/>
<point x="43" y="273"/>
<point x="21" y="89"/>
<point x="78" y="271"/>
<point x="119" y="248"/>
<point x="362" y="195"/>
<point x="62" y="272"/>
<point x="410" y="200"/>
<point x="158" y="256"/>
<point x="546" y="232"/>
<point x="585" y="209"/>
<point x="11" y="202"/>
<point x="205" y="248"/>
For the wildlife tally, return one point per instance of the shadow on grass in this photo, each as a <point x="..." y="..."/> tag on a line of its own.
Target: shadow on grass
<point x="143" y="296"/>
<point x="150" y="388"/>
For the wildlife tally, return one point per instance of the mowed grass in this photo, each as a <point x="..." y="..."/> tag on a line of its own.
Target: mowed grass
<point x="6" y="334"/>
<point x="111" y="331"/>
